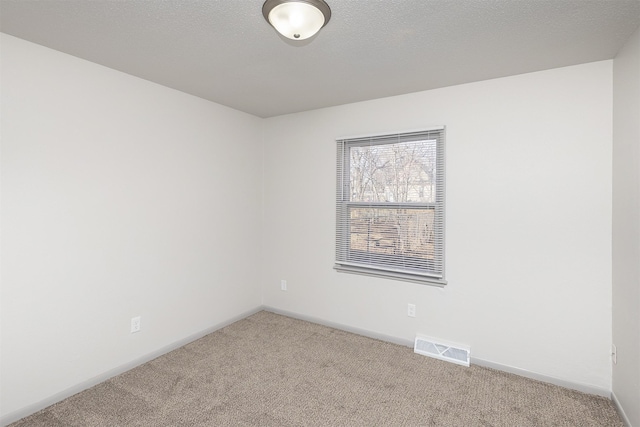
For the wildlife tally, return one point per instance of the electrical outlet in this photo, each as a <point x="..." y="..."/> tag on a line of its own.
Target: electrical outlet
<point x="283" y="285"/>
<point x="135" y="324"/>
<point x="411" y="310"/>
<point x="614" y="354"/>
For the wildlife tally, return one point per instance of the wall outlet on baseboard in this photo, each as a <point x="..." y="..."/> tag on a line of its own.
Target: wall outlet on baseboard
<point x="135" y="324"/>
<point x="411" y="310"/>
<point x="283" y="285"/>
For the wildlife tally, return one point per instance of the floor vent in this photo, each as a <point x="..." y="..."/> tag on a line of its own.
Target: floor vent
<point x="454" y="353"/>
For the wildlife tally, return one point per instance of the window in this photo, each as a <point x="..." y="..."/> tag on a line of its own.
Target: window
<point x="390" y="206"/>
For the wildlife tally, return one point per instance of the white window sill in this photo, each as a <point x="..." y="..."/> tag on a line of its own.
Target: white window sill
<point x="407" y="277"/>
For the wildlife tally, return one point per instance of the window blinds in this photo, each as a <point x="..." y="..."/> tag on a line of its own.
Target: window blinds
<point x="390" y="205"/>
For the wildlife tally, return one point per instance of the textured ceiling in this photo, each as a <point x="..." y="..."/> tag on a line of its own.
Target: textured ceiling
<point x="224" y="50"/>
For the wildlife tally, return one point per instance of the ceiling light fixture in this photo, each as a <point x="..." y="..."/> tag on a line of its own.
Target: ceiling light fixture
<point x="296" y="19"/>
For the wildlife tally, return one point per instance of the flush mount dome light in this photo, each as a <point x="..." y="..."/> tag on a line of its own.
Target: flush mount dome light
<point x="296" y="19"/>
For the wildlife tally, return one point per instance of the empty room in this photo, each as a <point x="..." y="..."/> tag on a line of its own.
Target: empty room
<point x="322" y="213"/>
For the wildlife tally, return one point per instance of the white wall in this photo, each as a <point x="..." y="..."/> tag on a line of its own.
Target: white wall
<point x="528" y="221"/>
<point x="626" y="227"/>
<point x="119" y="198"/>
<point x="122" y="198"/>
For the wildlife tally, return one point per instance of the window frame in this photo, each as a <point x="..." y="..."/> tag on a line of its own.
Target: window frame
<point x="344" y="253"/>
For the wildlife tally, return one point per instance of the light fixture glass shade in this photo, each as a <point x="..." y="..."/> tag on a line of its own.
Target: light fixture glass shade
<point x="294" y="19"/>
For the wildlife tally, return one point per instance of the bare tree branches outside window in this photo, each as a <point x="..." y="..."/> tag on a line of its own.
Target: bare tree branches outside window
<point x="403" y="172"/>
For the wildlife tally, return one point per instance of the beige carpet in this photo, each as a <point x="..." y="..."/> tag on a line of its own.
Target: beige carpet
<point x="271" y="370"/>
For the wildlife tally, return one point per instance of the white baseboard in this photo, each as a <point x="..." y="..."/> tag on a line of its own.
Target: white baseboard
<point x="363" y="332"/>
<point x="621" y="412"/>
<point x="33" y="408"/>
<point x="585" y="388"/>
